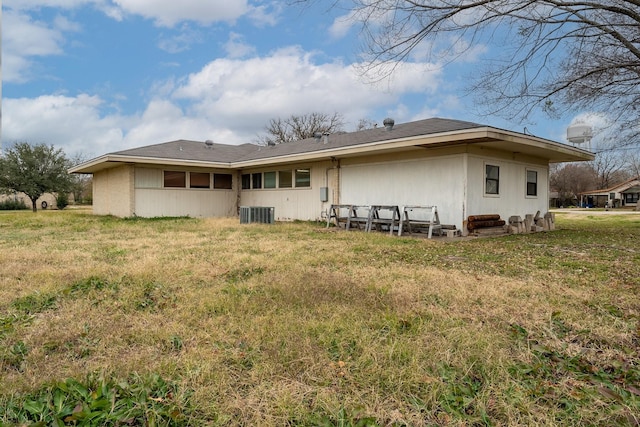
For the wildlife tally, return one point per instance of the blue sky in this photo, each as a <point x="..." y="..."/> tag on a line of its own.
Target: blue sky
<point x="97" y="76"/>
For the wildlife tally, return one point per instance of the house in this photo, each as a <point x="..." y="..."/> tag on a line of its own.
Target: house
<point x="461" y="167"/>
<point x="624" y="194"/>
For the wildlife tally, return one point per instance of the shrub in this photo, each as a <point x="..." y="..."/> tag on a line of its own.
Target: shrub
<point x="62" y="200"/>
<point x="12" y="205"/>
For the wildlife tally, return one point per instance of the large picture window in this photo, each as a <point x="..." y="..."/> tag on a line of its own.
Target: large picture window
<point x="532" y="183"/>
<point x="175" y="179"/>
<point x="199" y="180"/>
<point x="222" y="181"/>
<point x="492" y="179"/>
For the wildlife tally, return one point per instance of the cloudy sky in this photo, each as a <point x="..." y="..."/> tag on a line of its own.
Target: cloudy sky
<point x="97" y="76"/>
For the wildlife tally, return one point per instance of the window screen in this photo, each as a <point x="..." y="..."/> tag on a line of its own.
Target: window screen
<point x="303" y="178"/>
<point x="256" y="180"/>
<point x="175" y="179"/>
<point x="223" y="181"/>
<point x="269" y="180"/>
<point x="199" y="180"/>
<point x="492" y="179"/>
<point x="284" y="178"/>
<point x="246" y="181"/>
<point x="532" y="183"/>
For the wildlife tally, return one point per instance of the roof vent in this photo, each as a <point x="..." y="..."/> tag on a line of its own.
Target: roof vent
<point x="388" y="123"/>
<point x="317" y="136"/>
<point x="208" y="143"/>
<point x="271" y="143"/>
<point x="325" y="137"/>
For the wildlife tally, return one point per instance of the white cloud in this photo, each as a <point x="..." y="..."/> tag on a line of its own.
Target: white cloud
<point x="168" y="13"/>
<point x="342" y="25"/>
<point x="237" y="48"/>
<point x="71" y="123"/>
<point x="24" y="38"/>
<point x="228" y="100"/>
<point x="181" y="41"/>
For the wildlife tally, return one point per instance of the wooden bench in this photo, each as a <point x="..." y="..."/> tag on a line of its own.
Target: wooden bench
<point x="420" y="217"/>
<point x="391" y="220"/>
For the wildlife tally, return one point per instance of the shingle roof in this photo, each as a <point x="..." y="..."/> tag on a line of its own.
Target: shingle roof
<point x="224" y="153"/>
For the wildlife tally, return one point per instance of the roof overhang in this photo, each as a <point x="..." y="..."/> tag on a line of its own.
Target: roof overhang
<point x="109" y="161"/>
<point x="486" y="137"/>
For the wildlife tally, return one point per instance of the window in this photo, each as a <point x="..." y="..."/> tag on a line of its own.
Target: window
<point x="256" y="180"/>
<point x="612" y="196"/>
<point x="284" y="178"/>
<point x="492" y="179"/>
<point x="246" y="181"/>
<point x="199" y="180"/>
<point x="631" y="198"/>
<point x="269" y="180"/>
<point x="175" y="179"/>
<point x="532" y="183"/>
<point x="223" y="181"/>
<point x="303" y="178"/>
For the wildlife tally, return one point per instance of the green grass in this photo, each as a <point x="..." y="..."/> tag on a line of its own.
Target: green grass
<point x="178" y="321"/>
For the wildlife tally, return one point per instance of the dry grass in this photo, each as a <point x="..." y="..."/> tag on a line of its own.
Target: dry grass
<point x="294" y="324"/>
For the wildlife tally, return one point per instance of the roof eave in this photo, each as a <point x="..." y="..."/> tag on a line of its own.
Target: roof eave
<point x="109" y="161"/>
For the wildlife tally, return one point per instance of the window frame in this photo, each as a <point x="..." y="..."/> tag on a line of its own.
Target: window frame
<point x="527" y="193"/>
<point x="289" y="180"/>
<point x="245" y="181"/>
<point x="230" y="181"/>
<point x="175" y="172"/>
<point x="305" y="171"/>
<point x="487" y="180"/>
<point x="201" y="186"/>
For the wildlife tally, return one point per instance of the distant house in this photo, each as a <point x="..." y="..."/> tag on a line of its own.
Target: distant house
<point x="461" y="167"/>
<point x="624" y="194"/>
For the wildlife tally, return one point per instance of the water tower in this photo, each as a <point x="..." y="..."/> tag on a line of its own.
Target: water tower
<point x="580" y="133"/>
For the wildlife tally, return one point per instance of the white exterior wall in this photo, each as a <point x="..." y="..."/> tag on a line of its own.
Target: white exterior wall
<point x="113" y="191"/>
<point x="292" y="203"/>
<point x="426" y="181"/>
<point x="151" y="200"/>
<point x="513" y="199"/>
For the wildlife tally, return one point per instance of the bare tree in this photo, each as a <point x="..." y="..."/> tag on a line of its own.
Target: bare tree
<point x="298" y="127"/>
<point x="554" y="55"/>
<point x="571" y="179"/>
<point x="609" y="169"/>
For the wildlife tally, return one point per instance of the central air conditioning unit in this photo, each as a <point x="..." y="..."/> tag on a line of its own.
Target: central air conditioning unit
<point x="259" y="214"/>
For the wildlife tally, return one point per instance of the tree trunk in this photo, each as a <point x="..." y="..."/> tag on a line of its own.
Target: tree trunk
<point x="34" y="206"/>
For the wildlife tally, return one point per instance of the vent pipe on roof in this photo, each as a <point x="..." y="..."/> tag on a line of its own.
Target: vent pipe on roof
<point x="325" y="137"/>
<point x="208" y="143"/>
<point x="388" y="123"/>
<point x="317" y="136"/>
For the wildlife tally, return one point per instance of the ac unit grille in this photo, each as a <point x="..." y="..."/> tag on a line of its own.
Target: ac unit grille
<point x="259" y="214"/>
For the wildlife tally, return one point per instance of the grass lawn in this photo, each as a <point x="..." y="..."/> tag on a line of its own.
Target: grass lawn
<point x="182" y="321"/>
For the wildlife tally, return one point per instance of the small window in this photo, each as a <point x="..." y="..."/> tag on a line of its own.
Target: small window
<point x="269" y="180"/>
<point x="612" y="196"/>
<point x="631" y="197"/>
<point x="492" y="179"/>
<point x="284" y="179"/>
<point x="199" y="180"/>
<point x="246" y="181"/>
<point x="532" y="183"/>
<point x="303" y="178"/>
<point x="256" y="180"/>
<point x="223" y="181"/>
<point x="175" y="179"/>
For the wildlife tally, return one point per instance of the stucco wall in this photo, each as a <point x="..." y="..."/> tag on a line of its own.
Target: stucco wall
<point x="424" y="181"/>
<point x="113" y="191"/>
<point x="512" y="198"/>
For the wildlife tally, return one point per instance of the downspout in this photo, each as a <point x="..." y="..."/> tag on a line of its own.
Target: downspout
<point x="465" y="185"/>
